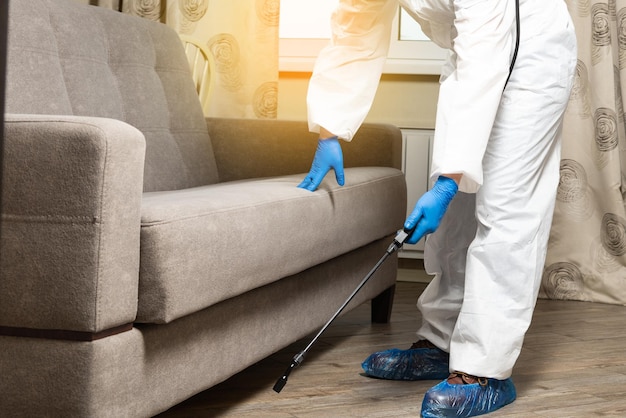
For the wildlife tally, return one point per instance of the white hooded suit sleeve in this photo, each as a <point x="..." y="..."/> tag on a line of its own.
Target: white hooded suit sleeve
<point x="347" y="71"/>
<point x="481" y="35"/>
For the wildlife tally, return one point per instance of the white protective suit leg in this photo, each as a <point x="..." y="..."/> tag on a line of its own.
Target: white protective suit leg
<point x="514" y="209"/>
<point x="445" y="251"/>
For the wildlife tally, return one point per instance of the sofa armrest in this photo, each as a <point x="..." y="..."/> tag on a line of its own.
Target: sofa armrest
<point x="71" y="199"/>
<point x="249" y="148"/>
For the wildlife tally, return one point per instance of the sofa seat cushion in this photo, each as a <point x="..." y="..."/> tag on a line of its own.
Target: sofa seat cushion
<point x="202" y="245"/>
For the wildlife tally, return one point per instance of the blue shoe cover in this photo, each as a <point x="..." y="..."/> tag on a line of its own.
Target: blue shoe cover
<point x="412" y="364"/>
<point x="468" y="400"/>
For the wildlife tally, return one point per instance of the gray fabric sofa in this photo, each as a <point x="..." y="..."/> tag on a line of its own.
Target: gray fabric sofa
<point x="148" y="253"/>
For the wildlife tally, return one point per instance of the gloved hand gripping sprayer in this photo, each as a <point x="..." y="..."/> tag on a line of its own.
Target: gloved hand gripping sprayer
<point x="397" y="243"/>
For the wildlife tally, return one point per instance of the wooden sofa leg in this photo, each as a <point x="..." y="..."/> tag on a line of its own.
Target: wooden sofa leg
<point x="382" y="305"/>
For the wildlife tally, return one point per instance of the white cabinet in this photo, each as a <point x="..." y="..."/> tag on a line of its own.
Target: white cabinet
<point x="416" y="153"/>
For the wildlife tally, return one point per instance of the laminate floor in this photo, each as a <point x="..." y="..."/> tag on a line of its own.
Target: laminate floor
<point x="573" y="364"/>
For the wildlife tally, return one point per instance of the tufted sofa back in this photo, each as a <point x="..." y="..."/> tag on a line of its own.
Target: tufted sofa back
<point x="69" y="59"/>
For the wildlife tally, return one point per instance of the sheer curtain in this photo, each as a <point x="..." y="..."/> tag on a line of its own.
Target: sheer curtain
<point x="587" y="251"/>
<point x="242" y="35"/>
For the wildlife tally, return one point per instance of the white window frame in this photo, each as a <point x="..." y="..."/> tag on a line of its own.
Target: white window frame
<point x="405" y="57"/>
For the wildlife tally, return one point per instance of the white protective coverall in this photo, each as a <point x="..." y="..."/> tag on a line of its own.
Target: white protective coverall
<point x="488" y="253"/>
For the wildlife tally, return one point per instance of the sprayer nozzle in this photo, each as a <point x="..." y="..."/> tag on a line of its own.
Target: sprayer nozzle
<point x="280" y="384"/>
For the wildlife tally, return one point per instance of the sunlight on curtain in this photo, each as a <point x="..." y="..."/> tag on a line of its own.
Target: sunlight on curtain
<point x="242" y="36"/>
<point x="587" y="251"/>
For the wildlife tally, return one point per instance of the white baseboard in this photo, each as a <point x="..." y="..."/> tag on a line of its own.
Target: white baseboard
<point x="413" y="275"/>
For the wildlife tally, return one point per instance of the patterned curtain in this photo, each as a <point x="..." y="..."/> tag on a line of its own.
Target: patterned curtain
<point x="241" y="35"/>
<point x="587" y="251"/>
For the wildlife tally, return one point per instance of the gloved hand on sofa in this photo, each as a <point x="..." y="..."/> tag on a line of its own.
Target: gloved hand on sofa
<point x="328" y="155"/>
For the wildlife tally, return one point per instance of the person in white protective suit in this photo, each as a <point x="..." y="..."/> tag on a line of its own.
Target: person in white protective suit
<point x="495" y="166"/>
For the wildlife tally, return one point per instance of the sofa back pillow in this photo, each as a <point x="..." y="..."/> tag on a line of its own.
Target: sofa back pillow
<point x="71" y="59"/>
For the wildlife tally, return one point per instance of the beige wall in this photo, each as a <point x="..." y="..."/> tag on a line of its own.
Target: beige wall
<point x="407" y="101"/>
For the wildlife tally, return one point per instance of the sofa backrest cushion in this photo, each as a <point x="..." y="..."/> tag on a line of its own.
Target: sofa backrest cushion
<point x="72" y="59"/>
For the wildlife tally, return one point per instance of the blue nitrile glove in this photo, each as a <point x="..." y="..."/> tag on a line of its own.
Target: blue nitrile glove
<point x="430" y="208"/>
<point x="328" y="155"/>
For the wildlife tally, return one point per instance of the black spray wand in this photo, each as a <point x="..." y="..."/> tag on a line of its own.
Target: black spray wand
<point x="299" y="358"/>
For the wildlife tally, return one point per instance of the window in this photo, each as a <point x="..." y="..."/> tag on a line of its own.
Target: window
<point x="305" y="30"/>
